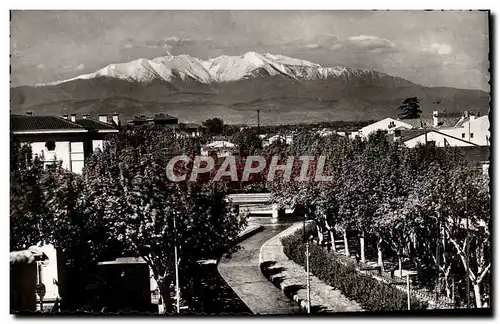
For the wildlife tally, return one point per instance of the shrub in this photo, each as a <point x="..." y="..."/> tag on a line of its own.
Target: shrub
<point x="372" y="294"/>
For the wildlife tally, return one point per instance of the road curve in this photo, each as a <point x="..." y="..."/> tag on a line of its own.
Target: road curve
<point x="242" y="273"/>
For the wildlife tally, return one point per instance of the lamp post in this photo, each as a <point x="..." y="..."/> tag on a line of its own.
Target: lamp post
<point x="467" y="288"/>
<point x="177" y="288"/>
<point x="306" y="240"/>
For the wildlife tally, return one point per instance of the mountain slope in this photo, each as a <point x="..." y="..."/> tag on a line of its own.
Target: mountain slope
<point x="232" y="87"/>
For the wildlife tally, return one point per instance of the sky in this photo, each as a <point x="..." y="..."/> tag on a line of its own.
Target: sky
<point x="433" y="48"/>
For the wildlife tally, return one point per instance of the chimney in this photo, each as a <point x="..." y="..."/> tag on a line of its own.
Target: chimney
<point x="435" y="121"/>
<point x="103" y="118"/>
<point x="29" y="113"/>
<point x="466" y="114"/>
<point x="73" y="118"/>
<point x="65" y="117"/>
<point x="472" y="117"/>
<point x="116" y="119"/>
<point x="85" y="116"/>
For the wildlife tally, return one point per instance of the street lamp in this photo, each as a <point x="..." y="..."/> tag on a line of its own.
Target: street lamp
<point x="177" y="288"/>
<point x="306" y="240"/>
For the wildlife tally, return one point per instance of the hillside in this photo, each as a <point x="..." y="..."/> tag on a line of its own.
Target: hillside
<point x="286" y="90"/>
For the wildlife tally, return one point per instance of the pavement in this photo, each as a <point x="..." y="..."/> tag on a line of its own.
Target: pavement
<point x="241" y="271"/>
<point x="291" y="278"/>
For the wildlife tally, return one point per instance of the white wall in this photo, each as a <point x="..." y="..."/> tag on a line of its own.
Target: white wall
<point x="382" y="125"/>
<point x="97" y="144"/>
<point x="438" y="138"/>
<point x="60" y="153"/>
<point x="49" y="272"/>
<point x="71" y="154"/>
<point x="478" y="131"/>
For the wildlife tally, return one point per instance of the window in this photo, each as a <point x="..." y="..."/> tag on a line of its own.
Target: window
<point x="463" y="135"/>
<point x="50" y="145"/>
<point x="471" y="135"/>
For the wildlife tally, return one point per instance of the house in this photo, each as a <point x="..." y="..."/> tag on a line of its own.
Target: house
<point x="193" y="130"/>
<point x="472" y="129"/>
<point x="423" y="137"/>
<point x="67" y="141"/>
<point x="272" y="138"/>
<point x="160" y="119"/>
<point x="383" y="125"/>
<point x="326" y="132"/>
<point x="61" y="139"/>
<point x="219" y="149"/>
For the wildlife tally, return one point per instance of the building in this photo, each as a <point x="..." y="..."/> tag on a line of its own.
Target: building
<point x="65" y="140"/>
<point x="193" y="130"/>
<point x="384" y="125"/>
<point x="472" y="129"/>
<point x="272" y="138"/>
<point x="219" y="149"/>
<point x="438" y="138"/>
<point x="160" y="119"/>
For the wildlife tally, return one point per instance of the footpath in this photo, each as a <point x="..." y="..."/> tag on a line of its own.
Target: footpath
<point x="291" y="279"/>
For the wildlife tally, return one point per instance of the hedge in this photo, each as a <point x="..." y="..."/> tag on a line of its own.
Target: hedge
<point x="370" y="293"/>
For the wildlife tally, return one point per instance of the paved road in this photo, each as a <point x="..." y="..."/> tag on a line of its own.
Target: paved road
<point x="241" y="271"/>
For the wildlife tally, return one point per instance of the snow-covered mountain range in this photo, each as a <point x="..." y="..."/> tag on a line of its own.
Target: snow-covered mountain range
<point x="284" y="89"/>
<point x="221" y="69"/>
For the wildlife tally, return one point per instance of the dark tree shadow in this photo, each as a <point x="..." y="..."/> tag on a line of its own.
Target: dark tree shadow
<point x="274" y="271"/>
<point x="277" y="281"/>
<point x="318" y="309"/>
<point x="292" y="290"/>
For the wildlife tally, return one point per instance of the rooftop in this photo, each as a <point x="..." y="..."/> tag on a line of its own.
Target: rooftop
<point x="92" y="124"/>
<point x="25" y="123"/>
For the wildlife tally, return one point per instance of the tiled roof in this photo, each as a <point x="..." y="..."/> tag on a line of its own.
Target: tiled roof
<point x="428" y="122"/>
<point x="163" y="117"/>
<point x="92" y="124"/>
<point x="20" y="123"/>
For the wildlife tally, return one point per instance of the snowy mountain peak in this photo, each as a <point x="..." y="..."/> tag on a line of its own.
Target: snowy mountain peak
<point x="220" y="69"/>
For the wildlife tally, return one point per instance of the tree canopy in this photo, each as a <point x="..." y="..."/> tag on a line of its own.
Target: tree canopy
<point x="410" y="108"/>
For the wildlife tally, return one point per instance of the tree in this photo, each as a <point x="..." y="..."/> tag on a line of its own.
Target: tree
<point x="27" y="201"/>
<point x="410" y="108"/>
<point x="215" y="126"/>
<point x="248" y="141"/>
<point x="144" y="213"/>
<point x="467" y="225"/>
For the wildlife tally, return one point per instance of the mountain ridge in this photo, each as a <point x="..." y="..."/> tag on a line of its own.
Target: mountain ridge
<point x="221" y="69"/>
<point x="285" y="89"/>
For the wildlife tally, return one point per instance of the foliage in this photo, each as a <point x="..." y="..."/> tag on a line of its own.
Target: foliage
<point x="410" y="108"/>
<point x="27" y="202"/>
<point x="215" y="126"/>
<point x="248" y="141"/>
<point x="409" y="201"/>
<point x="369" y="292"/>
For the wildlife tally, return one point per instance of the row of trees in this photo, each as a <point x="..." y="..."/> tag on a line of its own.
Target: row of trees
<point x="425" y="205"/>
<point x="122" y="205"/>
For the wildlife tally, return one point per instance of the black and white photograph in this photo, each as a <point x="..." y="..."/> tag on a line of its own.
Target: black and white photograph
<point x="250" y="162"/>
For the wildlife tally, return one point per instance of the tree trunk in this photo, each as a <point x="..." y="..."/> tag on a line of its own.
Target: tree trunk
<point x="380" y="260"/>
<point x="332" y="239"/>
<point x="320" y="235"/>
<point x="447" y="287"/>
<point x="346" y="244"/>
<point x="477" y="293"/>
<point x="331" y="232"/>
<point x="362" y="246"/>
<point x="164" y="285"/>
<point x="400" y="263"/>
